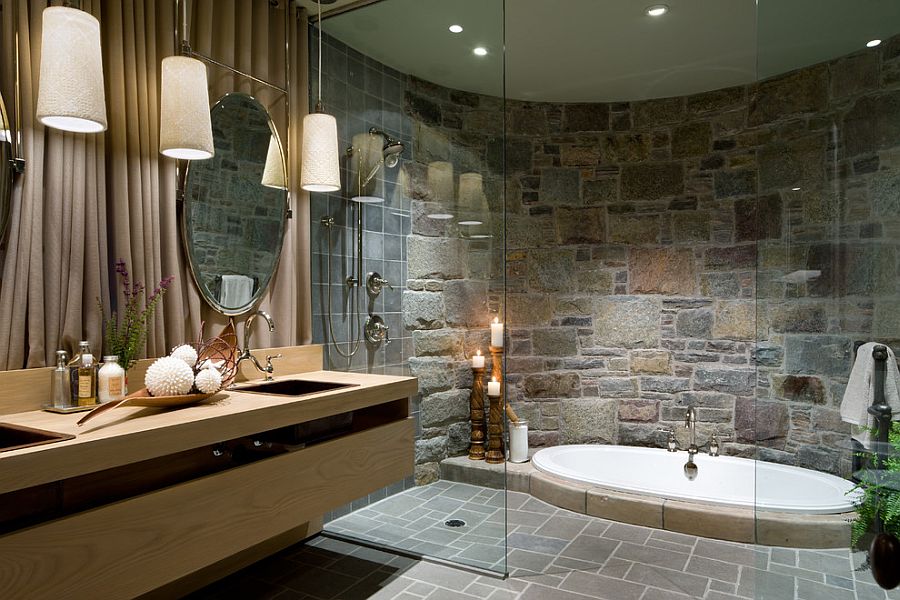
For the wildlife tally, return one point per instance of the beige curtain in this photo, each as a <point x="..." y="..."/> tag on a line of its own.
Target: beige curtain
<point x="88" y="200"/>
<point x="55" y="261"/>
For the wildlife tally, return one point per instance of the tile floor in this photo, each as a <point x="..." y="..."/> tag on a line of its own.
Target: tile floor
<point x="553" y="554"/>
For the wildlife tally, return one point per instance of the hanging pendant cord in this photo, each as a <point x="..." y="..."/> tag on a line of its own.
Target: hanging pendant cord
<point x="319" y="27"/>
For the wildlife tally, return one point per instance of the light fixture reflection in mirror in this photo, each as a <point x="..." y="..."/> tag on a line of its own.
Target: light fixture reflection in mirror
<point x="273" y="173"/>
<point x="471" y="199"/>
<point x="185" y="128"/>
<point x="70" y="93"/>
<point x="440" y="184"/>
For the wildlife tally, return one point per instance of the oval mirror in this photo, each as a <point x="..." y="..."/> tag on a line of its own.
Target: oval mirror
<point x="6" y="169"/>
<point x="235" y="207"/>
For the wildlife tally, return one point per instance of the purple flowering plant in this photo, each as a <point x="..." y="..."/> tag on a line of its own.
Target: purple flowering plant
<point x="126" y="330"/>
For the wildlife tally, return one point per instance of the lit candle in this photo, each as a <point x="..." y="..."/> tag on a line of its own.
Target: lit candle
<point x="497" y="333"/>
<point x="478" y="361"/>
<point x="493" y="387"/>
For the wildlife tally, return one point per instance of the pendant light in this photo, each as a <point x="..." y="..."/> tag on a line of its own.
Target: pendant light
<point x="70" y="94"/>
<point x="320" y="169"/>
<point x="185" y="126"/>
<point x="273" y="173"/>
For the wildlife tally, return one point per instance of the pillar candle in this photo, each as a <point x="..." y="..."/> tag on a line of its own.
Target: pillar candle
<point x="493" y="387"/>
<point x="497" y="333"/>
<point x="478" y="361"/>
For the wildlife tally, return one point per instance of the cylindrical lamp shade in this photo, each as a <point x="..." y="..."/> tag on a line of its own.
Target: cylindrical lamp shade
<point x="471" y="193"/>
<point x="70" y="94"/>
<point x="320" y="170"/>
<point x="185" y="127"/>
<point x="273" y="174"/>
<point x="440" y="186"/>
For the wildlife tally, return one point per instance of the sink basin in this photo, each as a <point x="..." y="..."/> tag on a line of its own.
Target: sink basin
<point x="13" y="437"/>
<point x="293" y="387"/>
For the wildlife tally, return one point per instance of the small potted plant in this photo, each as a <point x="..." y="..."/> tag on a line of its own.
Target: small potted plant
<point x="879" y="504"/>
<point x="125" y="331"/>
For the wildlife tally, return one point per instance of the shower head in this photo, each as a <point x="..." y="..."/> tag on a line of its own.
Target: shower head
<point x="391" y="149"/>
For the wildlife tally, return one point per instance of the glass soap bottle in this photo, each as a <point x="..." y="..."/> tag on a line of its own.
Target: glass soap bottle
<point x="60" y="394"/>
<point x="83" y="376"/>
<point x="110" y="380"/>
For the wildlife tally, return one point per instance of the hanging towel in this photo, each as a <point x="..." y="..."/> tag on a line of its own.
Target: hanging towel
<point x="237" y="290"/>
<point x="860" y="392"/>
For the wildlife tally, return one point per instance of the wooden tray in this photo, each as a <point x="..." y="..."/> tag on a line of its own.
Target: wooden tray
<point x="225" y="345"/>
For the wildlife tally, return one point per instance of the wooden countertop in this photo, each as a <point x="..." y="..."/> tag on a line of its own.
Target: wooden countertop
<point x="131" y="434"/>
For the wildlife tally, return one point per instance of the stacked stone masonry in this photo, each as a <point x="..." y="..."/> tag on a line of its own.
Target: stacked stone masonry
<point x="727" y="250"/>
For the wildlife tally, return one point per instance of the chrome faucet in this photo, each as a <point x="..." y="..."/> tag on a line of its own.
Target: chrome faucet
<point x="245" y="354"/>
<point x="690" y="423"/>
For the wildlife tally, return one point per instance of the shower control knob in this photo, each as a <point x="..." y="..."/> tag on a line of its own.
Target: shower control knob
<point x="377" y="330"/>
<point x="375" y="283"/>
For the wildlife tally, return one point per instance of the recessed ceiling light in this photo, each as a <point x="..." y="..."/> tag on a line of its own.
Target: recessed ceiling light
<point x="657" y="10"/>
<point x="795" y="189"/>
<point x="479" y="51"/>
<point x="872" y="43"/>
<point x="455" y="28"/>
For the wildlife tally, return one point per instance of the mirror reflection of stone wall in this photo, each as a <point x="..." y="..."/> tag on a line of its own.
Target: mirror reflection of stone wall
<point x="236" y="223"/>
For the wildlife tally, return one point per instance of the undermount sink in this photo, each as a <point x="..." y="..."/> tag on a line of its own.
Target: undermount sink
<point x="13" y="437"/>
<point x="293" y="387"/>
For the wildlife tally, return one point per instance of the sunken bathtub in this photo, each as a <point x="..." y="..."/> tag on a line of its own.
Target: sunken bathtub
<point x="731" y="498"/>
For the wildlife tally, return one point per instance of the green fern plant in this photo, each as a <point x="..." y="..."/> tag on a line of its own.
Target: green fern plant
<point x="879" y="499"/>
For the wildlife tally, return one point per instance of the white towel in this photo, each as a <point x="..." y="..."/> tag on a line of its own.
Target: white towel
<point x="237" y="290"/>
<point x="860" y="392"/>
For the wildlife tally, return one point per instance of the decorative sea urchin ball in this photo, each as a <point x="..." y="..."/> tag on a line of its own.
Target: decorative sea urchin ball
<point x="208" y="381"/>
<point x="169" y="376"/>
<point x="185" y="353"/>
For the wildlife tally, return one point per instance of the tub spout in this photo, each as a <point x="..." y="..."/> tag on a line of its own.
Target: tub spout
<point x="690" y="423"/>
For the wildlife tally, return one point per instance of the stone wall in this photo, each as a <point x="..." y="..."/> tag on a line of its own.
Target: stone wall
<point x="726" y="251"/>
<point x="657" y="252"/>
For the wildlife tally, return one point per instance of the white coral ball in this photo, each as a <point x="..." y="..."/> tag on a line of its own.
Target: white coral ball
<point x="169" y="376"/>
<point x="185" y="353"/>
<point x="208" y="381"/>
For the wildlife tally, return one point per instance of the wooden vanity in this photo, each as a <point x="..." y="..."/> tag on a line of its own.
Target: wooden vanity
<point x="154" y="503"/>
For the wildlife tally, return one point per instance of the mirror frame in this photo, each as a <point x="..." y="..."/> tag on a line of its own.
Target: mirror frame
<point x="183" y="221"/>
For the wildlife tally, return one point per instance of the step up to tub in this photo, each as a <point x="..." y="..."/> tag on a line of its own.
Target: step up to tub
<point x="694" y="518"/>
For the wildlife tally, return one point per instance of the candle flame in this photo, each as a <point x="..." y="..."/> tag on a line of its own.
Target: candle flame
<point x="494" y="379"/>
<point x="496" y="319"/>
<point x="478" y="353"/>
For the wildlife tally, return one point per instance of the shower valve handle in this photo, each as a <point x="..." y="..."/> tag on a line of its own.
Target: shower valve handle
<point x="375" y="282"/>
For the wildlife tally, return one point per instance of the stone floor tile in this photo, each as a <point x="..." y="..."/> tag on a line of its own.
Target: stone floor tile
<point x="784" y="556"/>
<point x="535" y="505"/>
<point x="724" y="596"/>
<point x="397" y="505"/>
<point x="420" y="588"/>
<point x="573" y="564"/>
<point x="660" y="594"/>
<point x="528" y="518"/>
<point x="810" y="590"/>
<point x="535" y="543"/>
<point x="797" y="572"/>
<point x="714" y="569"/>
<point x="533" y="562"/>
<point x="668" y="579"/>
<point x="461" y="491"/>
<point x="869" y="591"/>
<point x="824" y="562"/>
<point x="503" y="595"/>
<point x="439" y="575"/>
<point x="763" y="585"/>
<point x="652" y="556"/>
<point x="542" y="592"/>
<point x="443" y="504"/>
<point x="627" y="533"/>
<point x="616" y="567"/>
<point x="731" y="552"/>
<point x="589" y="548"/>
<point x="722" y="586"/>
<point x="565" y="528"/>
<point x="483" y="553"/>
<point x="442" y="594"/>
<point x="601" y="586"/>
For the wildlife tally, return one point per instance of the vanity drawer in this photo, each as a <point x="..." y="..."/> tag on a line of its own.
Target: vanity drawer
<point x="131" y="547"/>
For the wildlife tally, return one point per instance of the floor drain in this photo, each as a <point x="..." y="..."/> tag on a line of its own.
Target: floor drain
<point x="455" y="523"/>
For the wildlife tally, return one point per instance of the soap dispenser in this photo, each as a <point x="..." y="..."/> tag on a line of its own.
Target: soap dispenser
<point x="60" y="393"/>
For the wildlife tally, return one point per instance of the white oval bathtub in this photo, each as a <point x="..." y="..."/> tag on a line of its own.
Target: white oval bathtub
<point x="724" y="480"/>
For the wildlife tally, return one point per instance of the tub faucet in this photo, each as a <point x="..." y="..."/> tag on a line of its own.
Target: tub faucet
<point x="245" y="354"/>
<point x="690" y="423"/>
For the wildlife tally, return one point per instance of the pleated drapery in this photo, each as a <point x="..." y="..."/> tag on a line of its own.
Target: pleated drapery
<point x="86" y="200"/>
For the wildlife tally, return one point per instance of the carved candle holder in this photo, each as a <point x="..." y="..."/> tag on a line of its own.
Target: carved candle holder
<point x="494" y="453"/>
<point x="476" y="415"/>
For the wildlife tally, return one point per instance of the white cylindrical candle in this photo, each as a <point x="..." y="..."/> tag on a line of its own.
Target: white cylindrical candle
<point x="518" y="441"/>
<point x="493" y="387"/>
<point x="497" y="333"/>
<point x="478" y="361"/>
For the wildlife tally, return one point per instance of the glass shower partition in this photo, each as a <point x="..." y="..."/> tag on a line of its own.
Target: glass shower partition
<point x="431" y="227"/>
<point x="827" y="219"/>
